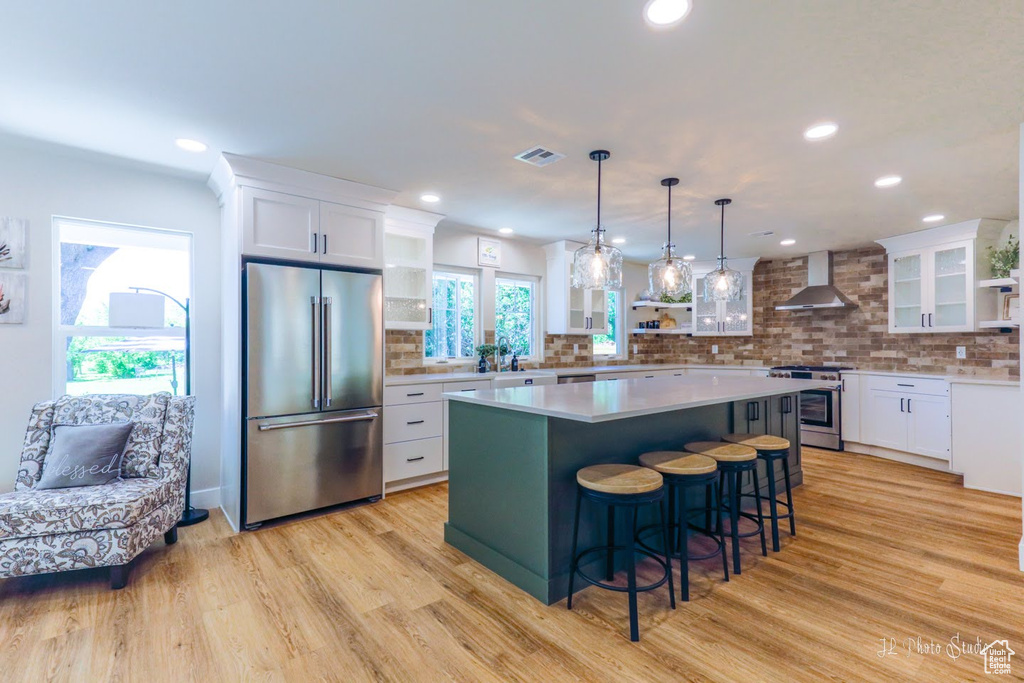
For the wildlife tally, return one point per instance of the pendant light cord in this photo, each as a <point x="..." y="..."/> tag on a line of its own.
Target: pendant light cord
<point x="670" y="221"/>
<point x="721" y="253"/>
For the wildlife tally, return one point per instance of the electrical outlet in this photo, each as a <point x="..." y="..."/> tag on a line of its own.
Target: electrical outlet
<point x="714" y="348"/>
<point x="961" y="352"/>
<point x="634" y="349"/>
<point x="576" y="348"/>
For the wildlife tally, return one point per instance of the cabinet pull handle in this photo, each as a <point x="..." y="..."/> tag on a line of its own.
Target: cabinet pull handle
<point x="418" y="393"/>
<point x="325" y="243"/>
<point x="430" y="315"/>
<point x="415" y="459"/>
<point x="415" y="422"/>
<point x="930" y="320"/>
<point x="922" y="320"/>
<point x="904" y="385"/>
<point x="901" y="404"/>
<point x="529" y="381"/>
<point x="909" y="401"/>
<point x="316" y="241"/>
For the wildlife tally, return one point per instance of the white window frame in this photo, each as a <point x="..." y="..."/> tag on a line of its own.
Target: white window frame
<point x="62" y="332"/>
<point x="536" y="344"/>
<point x="477" y="322"/>
<point x="619" y="336"/>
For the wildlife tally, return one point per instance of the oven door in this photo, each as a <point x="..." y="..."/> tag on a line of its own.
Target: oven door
<point x="818" y="408"/>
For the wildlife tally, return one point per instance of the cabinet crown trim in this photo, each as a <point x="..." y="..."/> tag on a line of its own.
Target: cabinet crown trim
<point x="978" y="228"/>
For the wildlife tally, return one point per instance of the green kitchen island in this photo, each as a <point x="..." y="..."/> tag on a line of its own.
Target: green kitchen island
<point x="513" y="455"/>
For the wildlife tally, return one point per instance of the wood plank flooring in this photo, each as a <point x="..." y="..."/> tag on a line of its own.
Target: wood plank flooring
<point x="884" y="550"/>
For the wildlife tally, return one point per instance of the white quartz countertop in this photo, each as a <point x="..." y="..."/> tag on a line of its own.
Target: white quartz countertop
<point x="604" y="401"/>
<point x="952" y="379"/>
<point x="432" y="377"/>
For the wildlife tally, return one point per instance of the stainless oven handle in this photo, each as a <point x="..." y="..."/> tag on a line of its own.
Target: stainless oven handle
<point x="308" y="423"/>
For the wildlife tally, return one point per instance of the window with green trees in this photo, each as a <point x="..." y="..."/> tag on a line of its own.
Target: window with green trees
<point x="453" y="334"/>
<point x="609" y="344"/>
<point x="515" y="314"/>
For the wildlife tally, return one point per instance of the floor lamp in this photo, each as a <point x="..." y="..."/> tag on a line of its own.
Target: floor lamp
<point x="135" y="310"/>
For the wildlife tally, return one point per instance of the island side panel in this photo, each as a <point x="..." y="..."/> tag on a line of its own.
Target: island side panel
<point x="573" y="445"/>
<point x="498" y="492"/>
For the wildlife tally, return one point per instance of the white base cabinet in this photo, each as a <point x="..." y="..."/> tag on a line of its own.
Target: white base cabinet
<point x="907" y="414"/>
<point x="987" y="436"/>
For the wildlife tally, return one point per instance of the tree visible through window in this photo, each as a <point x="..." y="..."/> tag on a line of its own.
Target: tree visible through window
<point x="453" y="334"/>
<point x="608" y="344"/>
<point x="96" y="260"/>
<point x="514" y="314"/>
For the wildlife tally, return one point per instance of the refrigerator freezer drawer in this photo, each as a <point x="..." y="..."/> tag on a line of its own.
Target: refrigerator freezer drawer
<point x="414" y="421"/>
<point x="302" y="463"/>
<point x="413" y="459"/>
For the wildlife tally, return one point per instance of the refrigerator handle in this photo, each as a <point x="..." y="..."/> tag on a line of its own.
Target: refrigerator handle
<point x="308" y="423"/>
<point x="328" y="393"/>
<point x="314" y="336"/>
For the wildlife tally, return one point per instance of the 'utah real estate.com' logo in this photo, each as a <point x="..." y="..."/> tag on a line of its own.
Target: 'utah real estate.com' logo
<point x="997" y="657"/>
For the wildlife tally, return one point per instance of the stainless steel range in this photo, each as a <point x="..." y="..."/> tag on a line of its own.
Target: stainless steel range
<point x="820" y="409"/>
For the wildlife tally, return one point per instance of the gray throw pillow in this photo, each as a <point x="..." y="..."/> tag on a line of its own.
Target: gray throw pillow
<point x="85" y="455"/>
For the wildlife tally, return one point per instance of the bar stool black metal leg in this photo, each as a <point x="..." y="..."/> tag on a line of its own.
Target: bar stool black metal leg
<point x="575" y="540"/>
<point x="789" y="496"/>
<point x="760" y="515"/>
<point x="734" y="519"/>
<point x="671" y="548"/>
<point x="666" y="532"/>
<point x="684" y="553"/>
<point x="609" y="573"/>
<point x="634" y="622"/>
<point x="708" y="497"/>
<point x="773" y="503"/>
<point x="721" y="533"/>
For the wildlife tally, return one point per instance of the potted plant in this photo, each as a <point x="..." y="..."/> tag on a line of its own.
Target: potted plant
<point x="1005" y="259"/>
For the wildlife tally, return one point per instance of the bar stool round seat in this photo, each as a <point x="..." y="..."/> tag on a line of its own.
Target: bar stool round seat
<point x="679" y="463"/>
<point x="630" y="488"/>
<point x="759" y="442"/>
<point x="733" y="461"/>
<point x="623" y="480"/>
<point x="771" y="449"/>
<point x="722" y="452"/>
<point x="685" y="473"/>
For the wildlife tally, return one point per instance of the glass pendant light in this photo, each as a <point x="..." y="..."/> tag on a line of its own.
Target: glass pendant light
<point x="669" y="275"/>
<point x="723" y="284"/>
<point x="597" y="265"/>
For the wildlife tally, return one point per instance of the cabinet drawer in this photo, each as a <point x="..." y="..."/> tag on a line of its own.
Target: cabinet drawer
<point x="909" y="385"/>
<point x="471" y="385"/>
<point x="413" y="459"/>
<point x="413" y="421"/>
<point x="411" y="393"/>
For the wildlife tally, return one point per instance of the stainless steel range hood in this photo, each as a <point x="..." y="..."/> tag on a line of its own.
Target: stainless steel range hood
<point x="819" y="292"/>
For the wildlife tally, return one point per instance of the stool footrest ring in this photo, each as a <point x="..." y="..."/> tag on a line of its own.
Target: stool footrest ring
<point x="621" y="589"/>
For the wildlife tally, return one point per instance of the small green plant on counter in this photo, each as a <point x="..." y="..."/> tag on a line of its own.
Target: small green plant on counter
<point x="684" y="299"/>
<point x="488" y="350"/>
<point x="1005" y="259"/>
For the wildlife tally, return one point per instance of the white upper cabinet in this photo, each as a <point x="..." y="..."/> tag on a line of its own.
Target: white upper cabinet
<point x="933" y="277"/>
<point x="409" y="268"/>
<point x="278" y="225"/>
<point x="571" y="310"/>
<point x="350" y="236"/>
<point x="724" y="318"/>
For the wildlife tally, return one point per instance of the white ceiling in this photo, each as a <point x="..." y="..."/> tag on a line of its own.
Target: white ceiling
<point x="440" y="95"/>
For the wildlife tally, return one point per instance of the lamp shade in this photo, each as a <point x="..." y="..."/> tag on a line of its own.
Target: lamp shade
<point x="724" y="284"/>
<point x="129" y="309"/>
<point x="597" y="265"/>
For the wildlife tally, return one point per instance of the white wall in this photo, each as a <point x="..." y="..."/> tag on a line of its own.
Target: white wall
<point x="39" y="181"/>
<point x="1020" y="213"/>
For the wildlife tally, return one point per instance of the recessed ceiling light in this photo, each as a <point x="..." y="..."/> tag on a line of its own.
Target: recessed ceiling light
<point x="934" y="218"/>
<point x="666" y="12"/>
<point x="506" y="231"/>
<point x="820" y="131"/>
<point x="788" y="242"/>
<point x="190" y="145"/>
<point x="430" y="198"/>
<point x="619" y="240"/>
<point x="689" y="257"/>
<point x="888" y="181"/>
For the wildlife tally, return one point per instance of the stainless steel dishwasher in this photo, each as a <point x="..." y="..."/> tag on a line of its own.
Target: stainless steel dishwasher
<point x="576" y="379"/>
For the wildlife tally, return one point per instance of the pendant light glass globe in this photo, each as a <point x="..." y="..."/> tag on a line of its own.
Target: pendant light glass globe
<point x="598" y="265"/>
<point x="723" y="284"/>
<point x="669" y="275"/>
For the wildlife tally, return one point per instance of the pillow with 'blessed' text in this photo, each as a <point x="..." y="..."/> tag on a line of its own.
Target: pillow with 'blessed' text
<point x="85" y="455"/>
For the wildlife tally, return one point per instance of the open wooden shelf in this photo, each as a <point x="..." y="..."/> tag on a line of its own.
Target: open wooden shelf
<point x="665" y="331"/>
<point x="998" y="325"/>
<point x="658" y="305"/>
<point x="998" y="283"/>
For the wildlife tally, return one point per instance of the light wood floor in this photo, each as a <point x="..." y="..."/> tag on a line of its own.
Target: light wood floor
<point x="884" y="551"/>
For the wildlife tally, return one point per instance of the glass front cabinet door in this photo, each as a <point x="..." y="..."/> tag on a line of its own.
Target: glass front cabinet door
<point x="932" y="289"/>
<point x="409" y="268"/>
<point x="723" y="318"/>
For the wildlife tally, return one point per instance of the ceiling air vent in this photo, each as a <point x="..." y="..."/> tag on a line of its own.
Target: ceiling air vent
<point x="539" y="156"/>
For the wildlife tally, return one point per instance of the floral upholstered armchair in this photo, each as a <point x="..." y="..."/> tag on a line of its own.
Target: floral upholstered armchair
<point x="63" y="529"/>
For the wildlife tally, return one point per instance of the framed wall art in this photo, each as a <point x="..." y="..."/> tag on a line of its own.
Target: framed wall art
<point x="12" y="297"/>
<point x="13" y="236"/>
<point x="488" y="252"/>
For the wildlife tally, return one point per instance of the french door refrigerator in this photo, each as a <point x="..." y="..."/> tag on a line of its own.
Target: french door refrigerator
<point x="313" y="389"/>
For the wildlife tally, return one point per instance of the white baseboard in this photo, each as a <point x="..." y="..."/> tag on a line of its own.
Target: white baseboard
<point x="1020" y="554"/>
<point x="899" y="456"/>
<point x="402" y="485"/>
<point x="208" y="499"/>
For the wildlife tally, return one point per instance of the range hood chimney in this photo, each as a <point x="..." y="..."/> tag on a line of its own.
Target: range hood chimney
<point x="819" y="292"/>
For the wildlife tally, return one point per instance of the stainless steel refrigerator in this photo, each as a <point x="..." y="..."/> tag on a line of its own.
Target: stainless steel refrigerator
<point x="313" y="389"/>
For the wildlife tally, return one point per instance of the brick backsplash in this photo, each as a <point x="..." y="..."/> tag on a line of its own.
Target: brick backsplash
<point x="858" y="337"/>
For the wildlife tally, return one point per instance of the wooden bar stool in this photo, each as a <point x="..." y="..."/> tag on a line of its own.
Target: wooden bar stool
<point x="630" y="487"/>
<point x="684" y="471"/>
<point x="733" y="461"/>
<point x="771" y="449"/>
